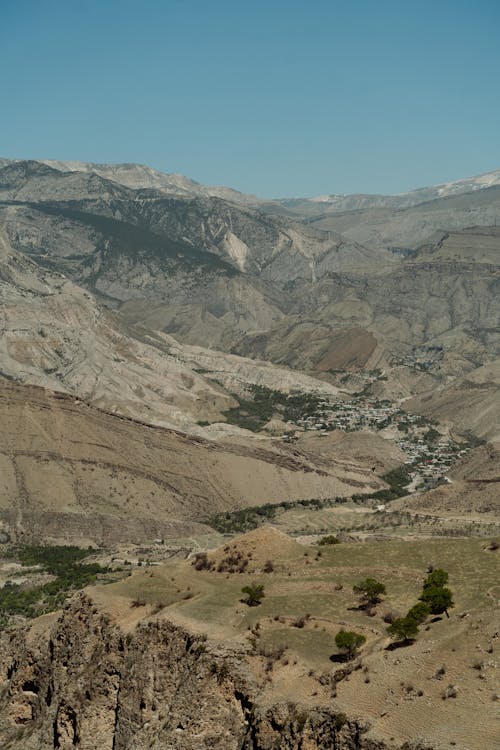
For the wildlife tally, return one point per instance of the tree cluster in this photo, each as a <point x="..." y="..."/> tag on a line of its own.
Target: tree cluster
<point x="435" y="599"/>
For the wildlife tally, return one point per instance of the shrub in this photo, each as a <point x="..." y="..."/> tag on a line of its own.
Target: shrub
<point x="330" y="539"/>
<point x="135" y="603"/>
<point x="201" y="561"/>
<point x="254" y="594"/>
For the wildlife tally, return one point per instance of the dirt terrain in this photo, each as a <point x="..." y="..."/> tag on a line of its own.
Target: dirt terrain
<point x="73" y="472"/>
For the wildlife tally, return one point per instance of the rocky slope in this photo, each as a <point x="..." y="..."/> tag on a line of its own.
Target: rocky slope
<point x="405" y="229"/>
<point x="80" y="684"/>
<point x="135" y="665"/>
<point x="57" y="335"/>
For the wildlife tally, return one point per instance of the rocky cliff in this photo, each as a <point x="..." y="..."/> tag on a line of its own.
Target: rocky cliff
<point x="80" y="681"/>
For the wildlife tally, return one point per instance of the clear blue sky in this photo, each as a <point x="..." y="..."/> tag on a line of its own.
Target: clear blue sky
<point x="279" y="98"/>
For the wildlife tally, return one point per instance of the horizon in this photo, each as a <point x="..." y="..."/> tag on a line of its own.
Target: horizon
<point x="276" y="100"/>
<point x="256" y="195"/>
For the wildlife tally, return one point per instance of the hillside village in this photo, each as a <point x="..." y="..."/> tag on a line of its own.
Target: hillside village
<point x="429" y="453"/>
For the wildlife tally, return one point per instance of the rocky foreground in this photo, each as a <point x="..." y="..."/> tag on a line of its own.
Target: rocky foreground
<point x="86" y="683"/>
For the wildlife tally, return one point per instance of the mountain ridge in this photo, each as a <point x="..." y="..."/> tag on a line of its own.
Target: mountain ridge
<point x="138" y="176"/>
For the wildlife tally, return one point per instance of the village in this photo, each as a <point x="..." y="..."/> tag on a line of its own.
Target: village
<point x="430" y="453"/>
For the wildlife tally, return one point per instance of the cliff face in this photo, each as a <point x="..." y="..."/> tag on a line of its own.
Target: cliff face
<point x="86" y="684"/>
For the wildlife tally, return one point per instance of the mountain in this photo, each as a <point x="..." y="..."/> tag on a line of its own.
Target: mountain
<point x="324" y="205"/>
<point x="412" y="291"/>
<point x="183" y="258"/>
<point x="58" y="336"/>
<point x="139" y="176"/>
<point x="179" y="363"/>
<point x="403" y="230"/>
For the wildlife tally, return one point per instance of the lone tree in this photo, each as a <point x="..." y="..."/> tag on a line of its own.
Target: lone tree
<point x="438" y="598"/>
<point x="370" y="590"/>
<point x="403" y="629"/>
<point x="254" y="592"/>
<point x="349" y="642"/>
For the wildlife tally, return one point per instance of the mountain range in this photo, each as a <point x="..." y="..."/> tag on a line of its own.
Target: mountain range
<point x="180" y="363"/>
<point x="410" y="285"/>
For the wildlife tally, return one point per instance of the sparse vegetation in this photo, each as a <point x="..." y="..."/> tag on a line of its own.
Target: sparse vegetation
<point x="246" y="519"/>
<point x="254" y="412"/>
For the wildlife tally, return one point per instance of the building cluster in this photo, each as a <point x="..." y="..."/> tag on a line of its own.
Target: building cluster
<point x="429" y="454"/>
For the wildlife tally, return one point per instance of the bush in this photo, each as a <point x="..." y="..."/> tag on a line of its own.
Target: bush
<point x="330" y="539"/>
<point x="254" y="594"/>
<point x="201" y="561"/>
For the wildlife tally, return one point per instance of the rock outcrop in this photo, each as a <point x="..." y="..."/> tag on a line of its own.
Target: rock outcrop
<point x="82" y="682"/>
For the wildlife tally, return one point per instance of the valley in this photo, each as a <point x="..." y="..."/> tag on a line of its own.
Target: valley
<point x="203" y="393"/>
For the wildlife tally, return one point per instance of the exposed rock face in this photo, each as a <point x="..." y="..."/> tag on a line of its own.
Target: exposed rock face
<point x="86" y="684"/>
<point x="210" y="272"/>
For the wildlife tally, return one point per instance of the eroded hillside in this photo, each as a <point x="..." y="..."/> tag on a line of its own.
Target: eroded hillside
<point x="73" y="472"/>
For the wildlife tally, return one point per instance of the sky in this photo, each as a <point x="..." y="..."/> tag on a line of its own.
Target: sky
<point x="277" y="98"/>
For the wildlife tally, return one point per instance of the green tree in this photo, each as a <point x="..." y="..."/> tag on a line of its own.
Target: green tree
<point x="419" y="612"/>
<point x="254" y="592"/>
<point x="349" y="642"/>
<point x="438" y="598"/>
<point x="370" y="590"/>
<point x="403" y="629"/>
<point x="436" y="579"/>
